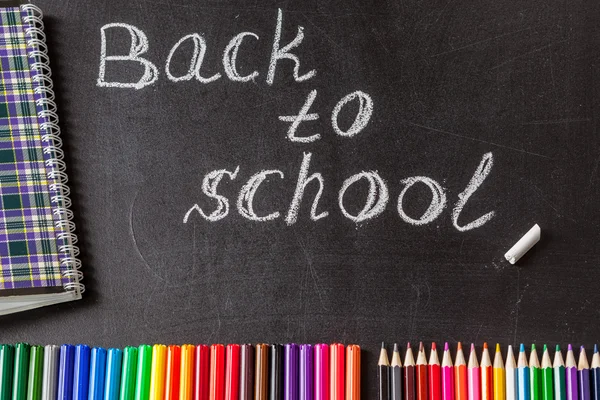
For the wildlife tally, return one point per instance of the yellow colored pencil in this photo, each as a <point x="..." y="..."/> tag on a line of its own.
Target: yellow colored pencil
<point x="158" y="372"/>
<point x="186" y="384"/>
<point x="499" y="376"/>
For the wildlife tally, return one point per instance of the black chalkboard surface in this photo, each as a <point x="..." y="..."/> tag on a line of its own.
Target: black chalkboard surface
<point x="482" y="109"/>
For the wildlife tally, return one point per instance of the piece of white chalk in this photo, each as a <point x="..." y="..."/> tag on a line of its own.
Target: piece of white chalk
<point x="523" y="245"/>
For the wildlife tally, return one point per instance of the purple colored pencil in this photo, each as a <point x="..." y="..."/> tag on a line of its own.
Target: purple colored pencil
<point x="322" y="372"/>
<point x="307" y="376"/>
<point x="583" y="372"/>
<point x="290" y="372"/>
<point x="571" y="375"/>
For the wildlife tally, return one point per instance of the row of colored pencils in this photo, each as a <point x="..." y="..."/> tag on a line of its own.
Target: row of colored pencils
<point x="187" y="372"/>
<point x="484" y="380"/>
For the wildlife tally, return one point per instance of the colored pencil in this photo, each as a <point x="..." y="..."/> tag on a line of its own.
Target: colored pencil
<point x="247" y="372"/>
<point x="595" y="372"/>
<point x="36" y="371"/>
<point x="114" y="363"/>
<point x="7" y="356"/>
<point x="421" y="373"/>
<point x="461" y="384"/>
<point x="337" y="355"/>
<point x="523" y="375"/>
<point x="275" y="372"/>
<point x="20" y="371"/>
<point x="232" y="372"/>
<point x="158" y="372"/>
<point x="395" y="374"/>
<point x="434" y="373"/>
<point x="202" y="372"/>
<point x="559" y="373"/>
<point x="535" y="375"/>
<point x="143" y="372"/>
<point x="353" y="372"/>
<point x="65" y="372"/>
<point x="97" y="373"/>
<point x="128" y="371"/>
<point x="81" y="368"/>
<point x="307" y="374"/>
<point x="448" y="381"/>
<point x="383" y="369"/>
<point x="487" y="374"/>
<point x="408" y="375"/>
<point x="50" y="374"/>
<point x="547" y="384"/>
<point x="474" y="375"/>
<point x="173" y="372"/>
<point x="511" y="375"/>
<point x="571" y="375"/>
<point x="186" y="372"/>
<point x="217" y="372"/>
<point x="583" y="373"/>
<point x="291" y="373"/>
<point x="321" y="372"/>
<point x="499" y="375"/>
<point x="261" y="371"/>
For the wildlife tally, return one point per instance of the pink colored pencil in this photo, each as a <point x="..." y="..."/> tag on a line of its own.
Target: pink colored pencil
<point x="474" y="376"/>
<point x="447" y="375"/>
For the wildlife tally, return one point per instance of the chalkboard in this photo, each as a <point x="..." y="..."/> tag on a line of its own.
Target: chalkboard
<point x="482" y="117"/>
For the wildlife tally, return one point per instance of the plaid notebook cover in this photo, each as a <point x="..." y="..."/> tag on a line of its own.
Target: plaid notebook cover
<point x="29" y="246"/>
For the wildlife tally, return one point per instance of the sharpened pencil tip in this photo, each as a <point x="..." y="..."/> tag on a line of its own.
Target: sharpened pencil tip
<point x="497" y="347"/>
<point x="595" y="348"/>
<point x="383" y="345"/>
<point x="522" y="347"/>
<point x="582" y="348"/>
<point x="396" y="347"/>
<point x="557" y="347"/>
<point x="485" y="345"/>
<point x="533" y="347"/>
<point x="446" y="347"/>
<point x="545" y="347"/>
<point x="569" y="347"/>
<point x="421" y="348"/>
<point x="408" y="345"/>
<point x="433" y="346"/>
<point x="459" y="346"/>
<point x="472" y="346"/>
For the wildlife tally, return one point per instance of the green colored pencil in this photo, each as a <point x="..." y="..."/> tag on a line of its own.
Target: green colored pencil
<point x="20" y="372"/>
<point x="128" y="372"/>
<point x="7" y="356"/>
<point x="144" y="367"/>
<point x="535" y="375"/>
<point x="560" y="379"/>
<point x="36" y="369"/>
<point x="547" y="384"/>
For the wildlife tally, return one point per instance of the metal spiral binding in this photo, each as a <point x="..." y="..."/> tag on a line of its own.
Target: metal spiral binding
<point x="67" y="240"/>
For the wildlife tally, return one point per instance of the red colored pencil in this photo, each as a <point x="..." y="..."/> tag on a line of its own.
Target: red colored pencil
<point x="201" y="372"/>
<point x="421" y="373"/>
<point x="232" y="372"/>
<point x="434" y="372"/>
<point x="460" y="375"/>
<point x="409" y="375"/>
<point x="173" y="372"/>
<point x="487" y="375"/>
<point x="217" y="372"/>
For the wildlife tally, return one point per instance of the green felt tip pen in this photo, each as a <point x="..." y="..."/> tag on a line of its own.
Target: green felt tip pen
<point x="36" y="369"/>
<point x="128" y="373"/>
<point x="144" y="367"/>
<point x="7" y="356"/>
<point x="20" y="372"/>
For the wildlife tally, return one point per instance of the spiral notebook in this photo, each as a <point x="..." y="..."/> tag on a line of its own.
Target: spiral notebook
<point x="38" y="256"/>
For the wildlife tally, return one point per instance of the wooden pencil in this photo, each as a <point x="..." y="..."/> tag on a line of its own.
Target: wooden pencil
<point x="583" y="374"/>
<point x="547" y="383"/>
<point x="595" y="374"/>
<point x="559" y="373"/>
<point x="434" y="375"/>
<point x="487" y="375"/>
<point x="535" y="375"/>
<point x="421" y="373"/>
<point x="510" y="370"/>
<point x="571" y="375"/>
<point x="499" y="375"/>
<point x="261" y="371"/>
<point x="461" y="385"/>
<point x="383" y="368"/>
<point x="523" y="374"/>
<point x="396" y="374"/>
<point x="447" y="375"/>
<point x="408" y="375"/>
<point x="474" y="375"/>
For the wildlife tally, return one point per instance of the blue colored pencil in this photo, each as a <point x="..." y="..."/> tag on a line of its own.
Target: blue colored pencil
<point x="81" y="368"/>
<point x="595" y="374"/>
<point x="65" y="372"/>
<point x="523" y="375"/>
<point x="583" y="373"/>
<point x="112" y="384"/>
<point x="97" y="371"/>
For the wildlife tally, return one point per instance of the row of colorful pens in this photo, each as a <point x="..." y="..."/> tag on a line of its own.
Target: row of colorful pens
<point x="484" y="380"/>
<point x="187" y="372"/>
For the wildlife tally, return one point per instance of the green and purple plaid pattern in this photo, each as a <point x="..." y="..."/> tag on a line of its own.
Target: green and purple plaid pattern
<point x="29" y="245"/>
